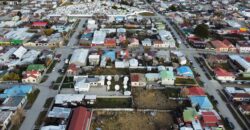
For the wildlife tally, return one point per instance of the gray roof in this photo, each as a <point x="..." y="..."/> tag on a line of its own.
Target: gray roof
<point x="60" y="112"/>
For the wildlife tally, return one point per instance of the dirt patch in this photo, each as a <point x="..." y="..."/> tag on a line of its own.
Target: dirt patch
<point x="153" y="99"/>
<point x="131" y="120"/>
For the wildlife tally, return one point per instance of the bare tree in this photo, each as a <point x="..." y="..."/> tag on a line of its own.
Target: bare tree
<point x="184" y="92"/>
<point x="17" y="117"/>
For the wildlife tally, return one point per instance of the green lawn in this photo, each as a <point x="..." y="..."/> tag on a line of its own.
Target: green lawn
<point x="184" y="81"/>
<point x="48" y="102"/>
<point x="67" y="85"/>
<point x="55" y="87"/>
<point x="32" y="98"/>
<point x="59" y="79"/>
<point x="68" y="79"/>
<point x="108" y="71"/>
<point x="171" y="92"/>
<point x="51" y="67"/>
<point x="113" y="103"/>
<point x="41" y="118"/>
<point x="44" y="78"/>
<point x="147" y="14"/>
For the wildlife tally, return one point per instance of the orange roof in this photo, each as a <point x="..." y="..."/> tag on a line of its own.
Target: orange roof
<point x="218" y="44"/>
<point x="110" y="41"/>
<point x="227" y="43"/>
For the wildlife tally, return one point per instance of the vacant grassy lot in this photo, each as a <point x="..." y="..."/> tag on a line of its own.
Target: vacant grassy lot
<point x="154" y="99"/>
<point x="112" y="103"/>
<point x="131" y="121"/>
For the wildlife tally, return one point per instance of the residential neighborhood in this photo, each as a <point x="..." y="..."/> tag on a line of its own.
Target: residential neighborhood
<point x="124" y="65"/>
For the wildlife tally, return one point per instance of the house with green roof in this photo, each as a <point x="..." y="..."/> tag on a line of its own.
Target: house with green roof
<point x="16" y="42"/>
<point x="189" y="114"/>
<point x="167" y="76"/>
<point x="37" y="67"/>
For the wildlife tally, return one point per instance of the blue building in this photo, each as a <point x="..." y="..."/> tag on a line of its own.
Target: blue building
<point x="185" y="71"/>
<point x="201" y="101"/>
<point x="17" y="90"/>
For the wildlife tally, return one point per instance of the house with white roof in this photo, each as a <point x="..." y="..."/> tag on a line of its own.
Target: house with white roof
<point x="98" y="38"/>
<point x="83" y="83"/>
<point x="61" y="99"/>
<point x="20" y="52"/>
<point x="79" y="57"/>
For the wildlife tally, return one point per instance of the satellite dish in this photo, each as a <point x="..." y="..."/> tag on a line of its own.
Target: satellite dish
<point x="116" y="78"/>
<point x="108" y="87"/>
<point x="109" y="77"/>
<point x="126" y="78"/>
<point x="117" y="87"/>
<point x="125" y="82"/>
<point x="108" y="83"/>
<point x="125" y="86"/>
<point x="127" y="93"/>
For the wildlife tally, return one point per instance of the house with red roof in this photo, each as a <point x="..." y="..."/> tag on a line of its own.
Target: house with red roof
<point x="72" y="69"/>
<point x="243" y="46"/>
<point x="122" y="38"/>
<point x="110" y="42"/>
<point x="80" y="120"/>
<point x="230" y="46"/>
<point x="39" y="24"/>
<point x="133" y="42"/>
<point x="219" y="46"/>
<point x="32" y="76"/>
<point x="247" y="58"/>
<point x="245" y="109"/>
<point x="196" y="91"/>
<point x="240" y="97"/>
<point x="224" y="75"/>
<point x="197" y="42"/>
<point x="210" y="119"/>
<point x="159" y="44"/>
<point x="138" y="80"/>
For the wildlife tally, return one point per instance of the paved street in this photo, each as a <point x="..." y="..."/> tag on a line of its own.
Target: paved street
<point x="45" y="91"/>
<point x="212" y="85"/>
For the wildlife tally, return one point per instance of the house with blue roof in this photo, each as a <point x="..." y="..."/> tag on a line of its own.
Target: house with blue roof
<point x="185" y="71"/>
<point x="110" y="55"/>
<point x="17" y="90"/>
<point x="87" y="36"/>
<point x="201" y="101"/>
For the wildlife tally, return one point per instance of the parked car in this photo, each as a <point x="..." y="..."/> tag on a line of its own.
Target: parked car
<point x="231" y="125"/>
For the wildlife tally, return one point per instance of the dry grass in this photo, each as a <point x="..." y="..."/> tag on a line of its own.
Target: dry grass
<point x="130" y="121"/>
<point x="152" y="99"/>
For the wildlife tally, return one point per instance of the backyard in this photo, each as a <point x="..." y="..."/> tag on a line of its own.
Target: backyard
<point x="131" y="120"/>
<point x="112" y="103"/>
<point x="155" y="99"/>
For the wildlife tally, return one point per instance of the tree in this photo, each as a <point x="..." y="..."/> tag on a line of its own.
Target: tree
<point x="201" y="31"/>
<point x="173" y="8"/>
<point x="11" y="76"/>
<point x="48" y="32"/>
<point x="17" y="117"/>
<point x="19" y="14"/>
<point x="184" y="92"/>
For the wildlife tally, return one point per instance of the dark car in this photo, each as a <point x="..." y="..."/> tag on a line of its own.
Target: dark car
<point x="231" y="125"/>
<point x="226" y="120"/>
